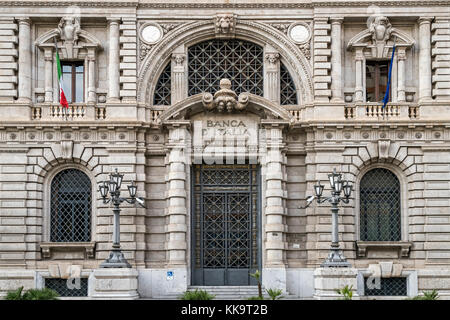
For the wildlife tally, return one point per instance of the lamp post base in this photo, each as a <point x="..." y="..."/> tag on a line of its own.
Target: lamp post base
<point x="335" y="259"/>
<point x="116" y="259"/>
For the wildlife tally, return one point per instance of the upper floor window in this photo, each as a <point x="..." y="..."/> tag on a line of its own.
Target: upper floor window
<point x="376" y="80"/>
<point x="380" y="206"/>
<point x="70" y="218"/>
<point x="73" y="80"/>
<point x="239" y="61"/>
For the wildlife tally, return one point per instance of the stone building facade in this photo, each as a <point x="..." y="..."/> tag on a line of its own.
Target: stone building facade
<point x="224" y="162"/>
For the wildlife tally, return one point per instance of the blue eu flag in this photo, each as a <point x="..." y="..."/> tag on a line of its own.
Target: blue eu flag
<point x="386" y="96"/>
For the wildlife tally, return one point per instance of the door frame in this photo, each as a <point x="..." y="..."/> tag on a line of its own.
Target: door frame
<point x="259" y="217"/>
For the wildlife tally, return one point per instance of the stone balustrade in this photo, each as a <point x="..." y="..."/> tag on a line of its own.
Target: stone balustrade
<point x="154" y="115"/>
<point x="376" y="111"/>
<point x="76" y="112"/>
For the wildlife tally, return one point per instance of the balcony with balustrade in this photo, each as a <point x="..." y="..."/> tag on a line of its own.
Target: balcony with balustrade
<point x="75" y="112"/>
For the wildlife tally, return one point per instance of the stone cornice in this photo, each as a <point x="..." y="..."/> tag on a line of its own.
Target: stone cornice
<point x="37" y="3"/>
<point x="211" y="5"/>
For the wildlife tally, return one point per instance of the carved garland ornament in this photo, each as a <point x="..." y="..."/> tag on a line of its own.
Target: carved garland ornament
<point x="225" y="99"/>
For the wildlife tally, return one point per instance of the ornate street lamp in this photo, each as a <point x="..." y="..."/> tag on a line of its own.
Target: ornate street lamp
<point x="116" y="258"/>
<point x="335" y="257"/>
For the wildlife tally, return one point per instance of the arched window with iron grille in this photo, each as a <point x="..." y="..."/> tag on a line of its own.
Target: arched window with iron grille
<point x="240" y="61"/>
<point x="162" y="95"/>
<point x="288" y="93"/>
<point x="70" y="208"/>
<point x="380" y="206"/>
<point x="237" y="60"/>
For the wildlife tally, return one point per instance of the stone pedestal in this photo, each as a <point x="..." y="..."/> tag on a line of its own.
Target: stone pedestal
<point x="274" y="278"/>
<point x="328" y="280"/>
<point x="114" y="283"/>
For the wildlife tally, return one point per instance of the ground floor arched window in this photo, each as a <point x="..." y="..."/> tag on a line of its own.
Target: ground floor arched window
<point x="70" y="207"/>
<point x="380" y="207"/>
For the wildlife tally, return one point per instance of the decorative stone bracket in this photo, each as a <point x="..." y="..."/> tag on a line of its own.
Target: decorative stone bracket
<point x="402" y="246"/>
<point x="386" y="269"/>
<point x="48" y="248"/>
<point x="225" y="99"/>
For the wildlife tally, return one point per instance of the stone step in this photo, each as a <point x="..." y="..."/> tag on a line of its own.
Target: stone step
<point x="228" y="293"/>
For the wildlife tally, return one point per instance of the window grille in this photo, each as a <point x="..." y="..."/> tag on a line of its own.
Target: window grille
<point x="239" y="61"/>
<point x="60" y="286"/>
<point x="288" y="94"/>
<point x="162" y="94"/>
<point x="380" y="206"/>
<point x="388" y="287"/>
<point x="70" y="207"/>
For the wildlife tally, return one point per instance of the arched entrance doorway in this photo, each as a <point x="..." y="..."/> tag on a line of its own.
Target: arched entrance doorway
<point x="229" y="145"/>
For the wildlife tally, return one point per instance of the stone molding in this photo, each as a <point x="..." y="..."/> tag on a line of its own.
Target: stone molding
<point x="193" y="103"/>
<point x="250" y="5"/>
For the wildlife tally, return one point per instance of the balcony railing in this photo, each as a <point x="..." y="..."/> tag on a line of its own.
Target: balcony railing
<point x="76" y="112"/>
<point x="376" y="111"/>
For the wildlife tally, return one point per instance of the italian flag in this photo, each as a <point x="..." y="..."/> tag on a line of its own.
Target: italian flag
<point x="62" y="96"/>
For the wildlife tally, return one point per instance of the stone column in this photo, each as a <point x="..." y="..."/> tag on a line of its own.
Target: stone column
<point x="114" y="61"/>
<point x="176" y="196"/>
<point x="272" y="76"/>
<point x="24" y="60"/>
<point x="424" y="59"/>
<point x="359" y="90"/>
<point x="274" y="272"/>
<point x="336" y="59"/>
<point x="48" y="56"/>
<point x="179" y="77"/>
<point x="401" y="56"/>
<point x="91" y="78"/>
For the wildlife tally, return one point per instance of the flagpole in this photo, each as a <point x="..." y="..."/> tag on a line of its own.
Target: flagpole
<point x="59" y="83"/>
<point x="388" y="87"/>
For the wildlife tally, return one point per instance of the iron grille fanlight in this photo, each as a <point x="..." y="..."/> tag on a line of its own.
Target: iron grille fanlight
<point x="162" y="95"/>
<point x="60" y="286"/>
<point x="70" y="207"/>
<point x="380" y="206"/>
<point x="238" y="60"/>
<point x="288" y="93"/>
<point x="387" y="287"/>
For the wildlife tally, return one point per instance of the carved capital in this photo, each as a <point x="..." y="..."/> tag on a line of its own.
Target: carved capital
<point x="225" y="99"/>
<point x="425" y="20"/>
<point x="336" y="20"/>
<point x="359" y="55"/>
<point x="272" y="59"/>
<point x="401" y="55"/>
<point x="178" y="58"/>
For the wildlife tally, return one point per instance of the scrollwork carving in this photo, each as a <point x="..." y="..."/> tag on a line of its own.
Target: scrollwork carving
<point x="225" y="99"/>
